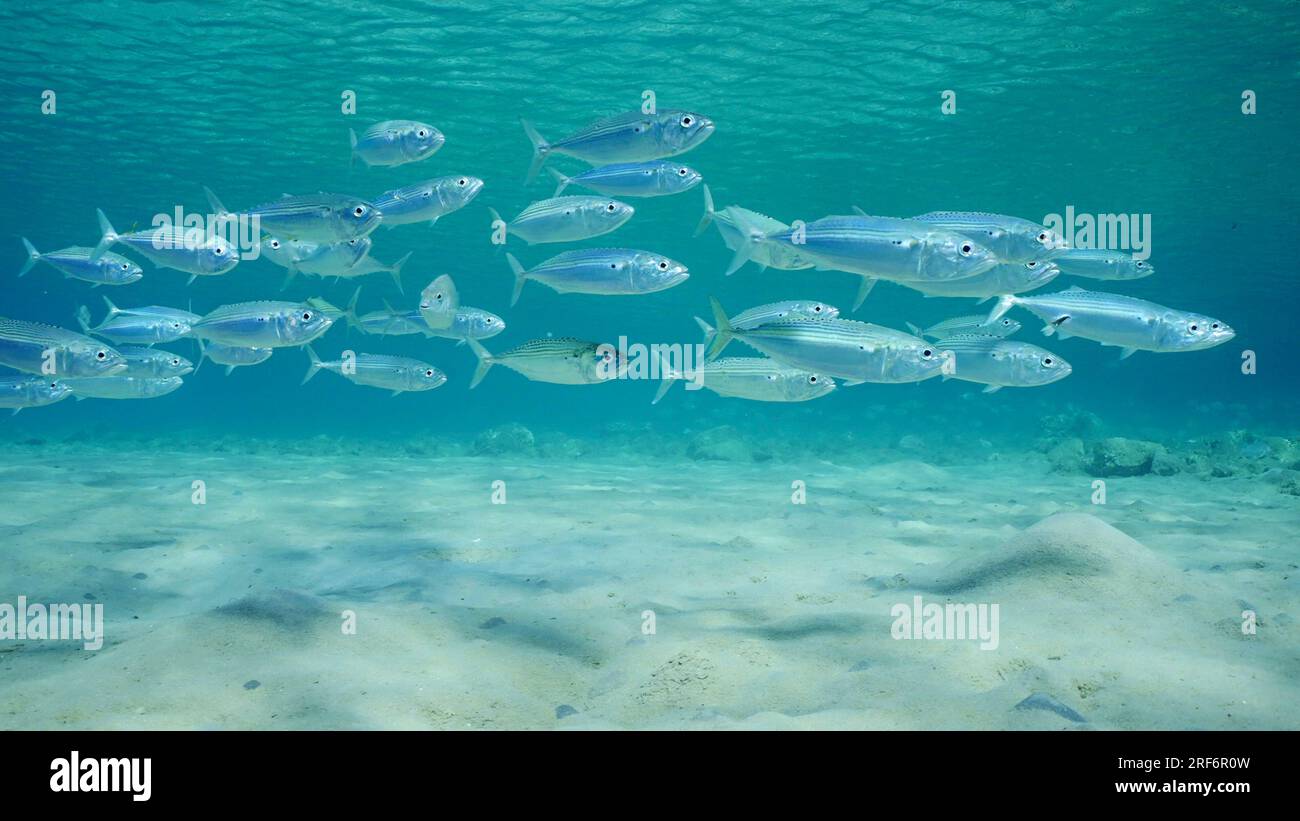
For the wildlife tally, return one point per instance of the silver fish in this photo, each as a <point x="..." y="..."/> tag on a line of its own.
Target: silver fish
<point x="123" y="387"/>
<point x="1102" y="264"/>
<point x="394" y="373"/>
<point x="973" y="324"/>
<point x="756" y="378"/>
<point x="42" y="349"/>
<point x="153" y="362"/>
<point x="1003" y="278"/>
<point x="75" y="263"/>
<point x="266" y="324"/>
<point x="762" y="314"/>
<point x="190" y="250"/>
<point x="607" y="271"/>
<point x="567" y="219"/>
<point x="735" y="224"/>
<point x="427" y="201"/>
<point x="318" y="217"/>
<point x="1123" y="321"/>
<point x="1011" y="239"/>
<point x="233" y="356"/>
<point x="656" y="178"/>
<point x="145" y="326"/>
<point x="856" y="352"/>
<point x="31" y="392"/>
<point x="332" y="259"/>
<point x="468" y="323"/>
<point x="877" y="248"/>
<point x="628" y="137"/>
<point x="396" y="142"/>
<point x="439" y="302"/>
<point x="997" y="363"/>
<point x="558" y="360"/>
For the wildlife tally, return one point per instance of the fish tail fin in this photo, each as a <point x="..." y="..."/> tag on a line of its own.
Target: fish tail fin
<point x="751" y="236"/>
<point x="314" y="366"/>
<point x="708" y="211"/>
<point x="230" y="369"/>
<point x="214" y="203"/>
<point x="724" y="332"/>
<point x="202" y="355"/>
<point x="290" y="272"/>
<point x="83" y="318"/>
<point x="667" y="376"/>
<point x="541" y="148"/>
<point x="521" y="276"/>
<point x="350" y="312"/>
<point x="33" y="256"/>
<point x="107" y="236"/>
<point x="396" y="270"/>
<point x="709" y="332"/>
<point x="1003" y="305"/>
<point x="859" y="211"/>
<point x="561" y="180"/>
<point x="113" y="310"/>
<point x="485" y="362"/>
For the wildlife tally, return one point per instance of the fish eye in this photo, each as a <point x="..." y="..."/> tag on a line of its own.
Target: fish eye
<point x="1195" y="327"/>
<point x="422" y="133"/>
<point x="1031" y="264"/>
<point x="306" y="316"/>
<point x="687" y="121"/>
<point x="176" y="363"/>
<point x="1140" y="264"/>
<point x="812" y="380"/>
<point x="54" y="385"/>
<point x="219" y="251"/>
<point x="275" y="243"/>
<point x="1042" y="237"/>
<point x="1214" y="326"/>
<point x="360" y="210"/>
<point x="817" y="309"/>
<point x="126" y="266"/>
<point x="927" y="353"/>
<point x="1047" y="361"/>
<point x="966" y="249"/>
<point x="101" y="355"/>
<point x="1006" y="323"/>
<point x="429" y="373"/>
<point x="611" y="207"/>
<point x="462" y="181"/>
<point x="663" y="266"/>
<point x="681" y="172"/>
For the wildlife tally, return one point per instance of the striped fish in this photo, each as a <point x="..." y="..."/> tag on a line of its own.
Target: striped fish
<point x="427" y="201"/>
<point x="1123" y="321"/>
<point x="31" y="392"/>
<point x="233" y="356"/>
<point x="736" y="223"/>
<point x="606" y="271"/>
<point x="997" y="363"/>
<point x="153" y="362"/>
<point x="123" y="387"/>
<point x="657" y="178"/>
<point x="318" y="217"/>
<point x="558" y="360"/>
<point x="190" y="250"/>
<point x="76" y="263"/>
<point x="853" y="351"/>
<point x="394" y="373"/>
<point x="756" y="378"/>
<point x="266" y="324"/>
<point x="1003" y="278"/>
<point x="771" y="312"/>
<point x="1102" y="264"/>
<point x="145" y="326"/>
<point x="1011" y="239"/>
<point x="628" y="137"/>
<point x="973" y="324"/>
<point x="37" y="348"/>
<point x="396" y="142"/>
<point x="567" y="219"/>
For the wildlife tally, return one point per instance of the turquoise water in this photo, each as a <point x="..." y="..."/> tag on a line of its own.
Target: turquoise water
<point x="1108" y="107"/>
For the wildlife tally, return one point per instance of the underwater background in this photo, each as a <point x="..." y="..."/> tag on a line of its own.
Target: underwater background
<point x="1109" y="107"/>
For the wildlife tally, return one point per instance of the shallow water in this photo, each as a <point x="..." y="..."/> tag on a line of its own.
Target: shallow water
<point x="329" y="499"/>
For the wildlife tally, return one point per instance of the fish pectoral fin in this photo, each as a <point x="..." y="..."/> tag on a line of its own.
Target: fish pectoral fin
<point x="1127" y="352"/>
<point x="394" y="393"/>
<point x="991" y="389"/>
<point x="851" y="382"/>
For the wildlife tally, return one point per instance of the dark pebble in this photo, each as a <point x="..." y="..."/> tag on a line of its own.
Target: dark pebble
<point x="252" y="684"/>
<point x="1042" y="701"/>
<point x="140" y="576"/>
<point x="564" y="710"/>
<point x="495" y="621"/>
<point x="860" y="666"/>
<point x="89" y="597"/>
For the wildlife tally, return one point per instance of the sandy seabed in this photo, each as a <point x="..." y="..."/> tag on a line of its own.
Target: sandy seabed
<point x="533" y="613"/>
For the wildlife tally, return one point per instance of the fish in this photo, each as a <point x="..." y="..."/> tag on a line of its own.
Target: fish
<point x="567" y="219"/>
<point x="973" y="324"/>
<point x="762" y="314"/>
<point x="427" y="201"/>
<point x="656" y="178"/>
<point x="1126" y="322"/>
<point x="20" y="392"/>
<point x="854" y="351"/>
<point x="875" y="248"/>
<point x="123" y="387"/>
<point x="395" y="373"/>
<point x="439" y="302"/>
<point x="190" y="250"/>
<point x="468" y="323"/>
<point x="1102" y="264"/>
<point x="267" y="324"/>
<point x="146" y="362"/>
<point x="1003" y="278"/>
<point x="629" y="137"/>
<point x="75" y="263"/>
<point x="996" y="362"/>
<point x="756" y="378"/>
<point x="35" y="347"/>
<point x="1011" y="239"/>
<point x="146" y="326"/>
<point x="233" y="356"/>
<point x="396" y="142"/>
<point x="606" y="271"/>
<point x="337" y="259"/>
<point x="318" y="217"/>
<point x="736" y="223"/>
<point x="557" y="360"/>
